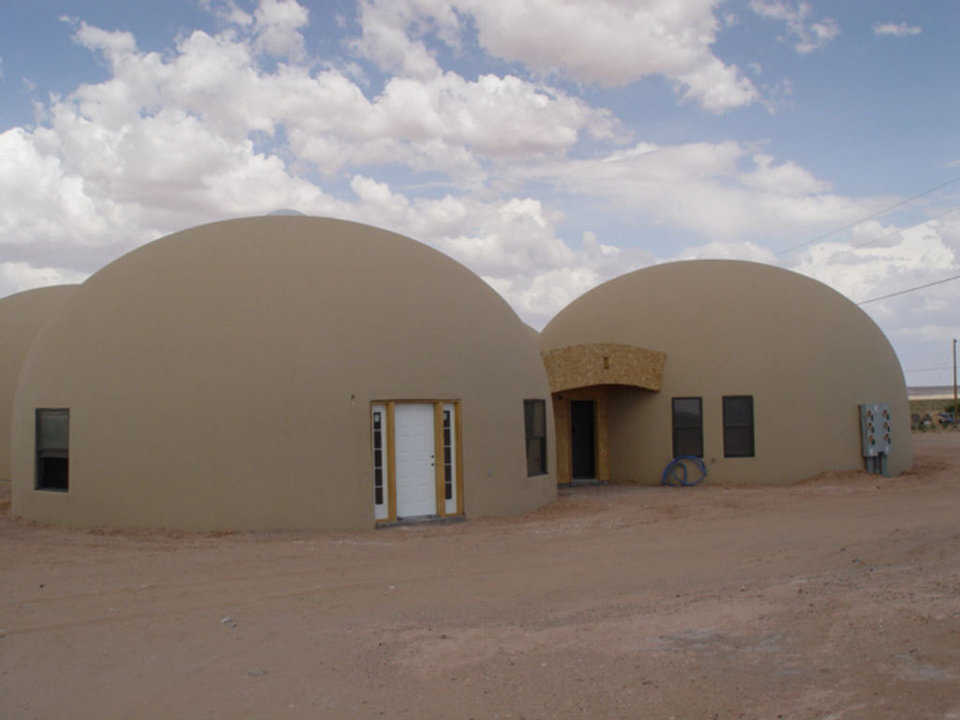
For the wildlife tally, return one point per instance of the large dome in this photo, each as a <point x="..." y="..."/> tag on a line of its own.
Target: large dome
<point x="804" y="355"/>
<point x="223" y="377"/>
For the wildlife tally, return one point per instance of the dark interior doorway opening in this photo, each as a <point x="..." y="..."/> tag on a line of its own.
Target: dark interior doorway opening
<point x="582" y="440"/>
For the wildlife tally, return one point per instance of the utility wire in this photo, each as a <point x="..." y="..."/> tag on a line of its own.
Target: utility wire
<point x="880" y="213"/>
<point x="909" y="290"/>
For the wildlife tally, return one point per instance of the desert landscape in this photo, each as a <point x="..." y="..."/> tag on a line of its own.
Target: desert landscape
<point x="836" y="599"/>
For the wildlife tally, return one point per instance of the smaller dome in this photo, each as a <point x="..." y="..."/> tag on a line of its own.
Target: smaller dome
<point x="801" y="355"/>
<point x="21" y="317"/>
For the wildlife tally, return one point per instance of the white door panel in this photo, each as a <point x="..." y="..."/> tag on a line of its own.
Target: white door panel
<point x="414" y="448"/>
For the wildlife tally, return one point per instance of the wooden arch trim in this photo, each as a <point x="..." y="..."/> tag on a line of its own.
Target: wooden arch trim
<point x="577" y="366"/>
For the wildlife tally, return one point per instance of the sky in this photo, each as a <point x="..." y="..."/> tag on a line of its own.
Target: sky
<point x="549" y="145"/>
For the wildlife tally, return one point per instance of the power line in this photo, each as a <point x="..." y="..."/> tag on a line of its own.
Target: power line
<point x="868" y="217"/>
<point x="909" y="290"/>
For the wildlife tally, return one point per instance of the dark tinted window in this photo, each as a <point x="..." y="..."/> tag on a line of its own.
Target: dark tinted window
<point x="53" y="447"/>
<point x="535" y="429"/>
<point x="738" y="426"/>
<point x="687" y="426"/>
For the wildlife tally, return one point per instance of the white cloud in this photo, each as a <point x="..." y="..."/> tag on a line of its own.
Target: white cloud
<point x="808" y="35"/>
<point x="890" y="260"/>
<point x="386" y="35"/>
<point x="511" y="242"/>
<point x="19" y="276"/>
<point x="878" y="259"/>
<point x="90" y="184"/>
<point x="787" y="178"/>
<point x="934" y="332"/>
<point x="896" y="29"/>
<point x="440" y="123"/>
<point x="212" y="128"/>
<point x="228" y="11"/>
<point x="277" y="25"/>
<point x="172" y="139"/>
<point x="114" y="43"/>
<point x="42" y="201"/>
<point x="605" y="42"/>
<point x="729" y="251"/>
<point x="717" y="87"/>
<point x="716" y="190"/>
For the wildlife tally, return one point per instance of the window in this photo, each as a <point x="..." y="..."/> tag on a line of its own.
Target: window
<point x="378" y="459"/>
<point x="53" y="445"/>
<point x="688" y="426"/>
<point x="535" y="427"/>
<point x="738" y="426"/>
<point x="447" y="456"/>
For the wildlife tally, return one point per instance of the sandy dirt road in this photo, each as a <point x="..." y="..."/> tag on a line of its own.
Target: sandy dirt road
<point x="835" y="599"/>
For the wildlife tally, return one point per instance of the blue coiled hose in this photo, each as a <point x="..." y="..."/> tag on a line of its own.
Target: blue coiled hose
<point x="675" y="473"/>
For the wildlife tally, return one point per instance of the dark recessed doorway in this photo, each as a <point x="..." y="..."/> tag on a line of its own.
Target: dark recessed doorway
<point x="582" y="440"/>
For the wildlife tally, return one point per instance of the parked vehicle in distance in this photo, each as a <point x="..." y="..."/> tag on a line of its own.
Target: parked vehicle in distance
<point x="946" y="418"/>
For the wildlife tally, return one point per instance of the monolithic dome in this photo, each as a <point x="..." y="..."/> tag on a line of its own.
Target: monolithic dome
<point x="758" y="370"/>
<point x="281" y="372"/>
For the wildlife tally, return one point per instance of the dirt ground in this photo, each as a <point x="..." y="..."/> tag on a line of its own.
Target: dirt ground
<point x="835" y="599"/>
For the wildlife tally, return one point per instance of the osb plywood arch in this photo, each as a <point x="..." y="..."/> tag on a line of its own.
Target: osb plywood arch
<point x="577" y="366"/>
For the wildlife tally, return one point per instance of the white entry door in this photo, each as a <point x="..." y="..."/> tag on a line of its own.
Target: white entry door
<point x="416" y="473"/>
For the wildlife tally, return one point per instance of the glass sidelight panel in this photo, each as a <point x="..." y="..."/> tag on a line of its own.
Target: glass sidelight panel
<point x="380" y="486"/>
<point x="448" y="440"/>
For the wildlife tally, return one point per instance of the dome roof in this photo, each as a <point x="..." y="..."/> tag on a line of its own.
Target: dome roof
<point x="326" y="298"/>
<point x="731" y="314"/>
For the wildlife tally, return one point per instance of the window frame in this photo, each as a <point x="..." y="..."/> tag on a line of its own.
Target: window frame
<point x="676" y="428"/>
<point x="728" y="425"/>
<point x="529" y="418"/>
<point x="41" y="454"/>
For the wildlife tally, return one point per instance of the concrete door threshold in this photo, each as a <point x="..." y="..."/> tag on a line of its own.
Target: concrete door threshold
<point x="423" y="520"/>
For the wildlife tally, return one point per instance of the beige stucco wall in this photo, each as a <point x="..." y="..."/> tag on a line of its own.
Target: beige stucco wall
<point x="222" y="378"/>
<point x="805" y="353"/>
<point x="21" y="317"/>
